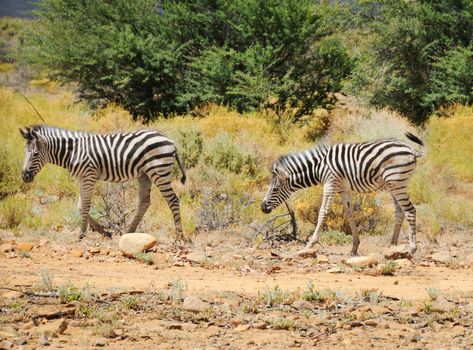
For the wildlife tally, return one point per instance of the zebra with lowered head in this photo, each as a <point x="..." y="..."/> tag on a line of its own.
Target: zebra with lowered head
<point x="146" y="155"/>
<point x="343" y="168"/>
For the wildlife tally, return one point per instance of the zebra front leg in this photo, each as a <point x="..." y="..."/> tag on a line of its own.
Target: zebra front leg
<point x="86" y="189"/>
<point x="323" y="211"/>
<point x="398" y="219"/>
<point x="405" y="203"/>
<point x="144" y="201"/>
<point x="348" y="207"/>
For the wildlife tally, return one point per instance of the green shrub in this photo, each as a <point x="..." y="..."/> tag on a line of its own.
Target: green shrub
<point x="225" y="154"/>
<point x="13" y="211"/>
<point x="190" y="147"/>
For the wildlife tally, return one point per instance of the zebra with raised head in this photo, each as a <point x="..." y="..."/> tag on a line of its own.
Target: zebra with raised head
<point x="146" y="155"/>
<point x="343" y="168"/>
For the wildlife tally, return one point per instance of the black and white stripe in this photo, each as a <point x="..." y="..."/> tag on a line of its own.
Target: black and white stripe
<point x="146" y="155"/>
<point x="343" y="168"/>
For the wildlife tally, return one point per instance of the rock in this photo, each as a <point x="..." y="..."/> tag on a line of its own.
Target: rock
<point x="378" y="257"/>
<point x="77" y="253"/>
<point x="53" y="328"/>
<point x="441" y="257"/>
<point x="404" y="263"/>
<point x="24" y="247"/>
<point x="6" y="345"/>
<point x="6" y="335"/>
<point x="12" y="295"/>
<point x="366" y="261"/>
<point x="43" y="339"/>
<point x="132" y="243"/>
<point x="379" y="309"/>
<point x="101" y="342"/>
<point x="175" y="326"/>
<point x="194" y="304"/>
<point x="94" y="250"/>
<point x="335" y="270"/>
<point x="104" y="251"/>
<point x="322" y="259"/>
<point x="6" y="247"/>
<point x="398" y="252"/>
<point x="21" y="341"/>
<point x="260" y="325"/>
<point x="302" y="305"/>
<point x="442" y="305"/>
<point x="196" y="257"/>
<point x="242" y="328"/>
<point x="355" y="324"/>
<point x="371" y="323"/>
<point x="305" y="254"/>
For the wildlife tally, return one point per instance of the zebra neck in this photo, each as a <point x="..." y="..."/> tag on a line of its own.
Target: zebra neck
<point x="61" y="150"/>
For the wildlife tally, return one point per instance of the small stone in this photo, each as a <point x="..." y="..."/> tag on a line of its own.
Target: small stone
<point x="194" y="304"/>
<point x="21" y="341"/>
<point x="441" y="257"/>
<point x="54" y="328"/>
<point x="118" y="332"/>
<point x="306" y="253"/>
<point x="77" y="253"/>
<point x="442" y="305"/>
<point x="24" y="247"/>
<point x="322" y="259"/>
<point x="196" y="257"/>
<point x="100" y="342"/>
<point x="398" y="252"/>
<point x="104" y="251"/>
<point x="43" y="339"/>
<point x="403" y="263"/>
<point x="302" y="305"/>
<point x="94" y="250"/>
<point x="242" y="328"/>
<point x="175" y="326"/>
<point x="355" y="324"/>
<point x="335" y="270"/>
<point x="178" y="263"/>
<point x="6" y="345"/>
<point x="260" y="325"/>
<point x="366" y="261"/>
<point x="6" y="247"/>
<point x="416" y="338"/>
<point x="132" y="243"/>
<point x="371" y="323"/>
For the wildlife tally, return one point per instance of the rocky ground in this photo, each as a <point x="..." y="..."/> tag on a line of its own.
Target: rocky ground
<point x="234" y="292"/>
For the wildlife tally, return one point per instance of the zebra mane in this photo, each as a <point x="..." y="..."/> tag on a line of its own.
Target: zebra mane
<point x="43" y="129"/>
<point x="282" y="162"/>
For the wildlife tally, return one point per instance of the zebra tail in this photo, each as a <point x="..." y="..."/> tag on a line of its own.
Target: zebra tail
<point x="415" y="139"/>
<point x="179" y="162"/>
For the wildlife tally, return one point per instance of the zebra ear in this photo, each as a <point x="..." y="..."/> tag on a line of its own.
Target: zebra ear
<point x="282" y="173"/>
<point x="26" y="133"/>
<point x="36" y="136"/>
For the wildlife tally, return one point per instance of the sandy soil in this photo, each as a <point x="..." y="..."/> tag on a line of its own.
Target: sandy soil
<point x="252" y="296"/>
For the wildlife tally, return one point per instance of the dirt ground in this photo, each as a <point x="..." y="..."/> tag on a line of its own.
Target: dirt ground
<point x="68" y="294"/>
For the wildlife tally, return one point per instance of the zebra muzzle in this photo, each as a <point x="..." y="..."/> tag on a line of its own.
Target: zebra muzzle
<point x="265" y="208"/>
<point x="26" y="176"/>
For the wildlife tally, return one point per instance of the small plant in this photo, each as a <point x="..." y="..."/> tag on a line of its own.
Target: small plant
<point x="146" y="258"/>
<point x="284" y="324"/>
<point x="389" y="268"/>
<point x="250" y="307"/>
<point x="130" y="302"/>
<point x="177" y="289"/>
<point x="311" y="294"/>
<point x="371" y="295"/>
<point x="24" y="255"/>
<point x="46" y="281"/>
<point x="69" y="293"/>
<point x="273" y="297"/>
<point x="428" y="307"/>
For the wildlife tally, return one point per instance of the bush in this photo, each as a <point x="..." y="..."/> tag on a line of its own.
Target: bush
<point x="13" y="211"/>
<point x="369" y="216"/>
<point x="172" y="57"/>
<point x="419" y="58"/>
<point x="190" y="147"/>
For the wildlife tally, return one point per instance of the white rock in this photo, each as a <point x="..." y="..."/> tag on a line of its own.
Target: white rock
<point x="398" y="252"/>
<point x="306" y="253"/>
<point x="194" y="304"/>
<point x="366" y="261"/>
<point x="441" y="257"/>
<point x="132" y="243"/>
<point x="196" y="257"/>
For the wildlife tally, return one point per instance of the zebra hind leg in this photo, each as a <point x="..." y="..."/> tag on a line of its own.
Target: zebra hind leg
<point x="144" y="192"/>
<point x="348" y="208"/>
<point x="398" y="219"/>
<point x="410" y="212"/>
<point x="164" y="185"/>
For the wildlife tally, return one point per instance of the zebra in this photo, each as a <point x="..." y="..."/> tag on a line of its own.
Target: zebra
<point x="343" y="168"/>
<point x="146" y="155"/>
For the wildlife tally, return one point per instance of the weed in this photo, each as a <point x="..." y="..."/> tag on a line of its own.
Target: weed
<point x="284" y="324"/>
<point x="130" y="302"/>
<point x="177" y="289"/>
<point x="389" y="268"/>
<point x="146" y="258"/>
<point x="24" y="255"/>
<point x="69" y="293"/>
<point x="273" y="297"/>
<point x="311" y="294"/>
<point x="372" y="295"/>
<point x="46" y="281"/>
<point x="427" y="307"/>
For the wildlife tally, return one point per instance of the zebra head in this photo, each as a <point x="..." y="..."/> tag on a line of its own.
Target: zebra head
<point x="35" y="154"/>
<point x="279" y="189"/>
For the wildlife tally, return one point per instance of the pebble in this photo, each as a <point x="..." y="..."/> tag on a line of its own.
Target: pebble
<point x="194" y="304"/>
<point x="24" y="247"/>
<point x="43" y="339"/>
<point x="77" y="253"/>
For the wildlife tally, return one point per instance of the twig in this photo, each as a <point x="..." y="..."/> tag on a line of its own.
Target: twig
<point x="27" y="100"/>
<point x="51" y="294"/>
